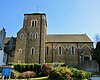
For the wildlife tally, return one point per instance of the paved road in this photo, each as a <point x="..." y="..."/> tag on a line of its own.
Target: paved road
<point x="95" y="78"/>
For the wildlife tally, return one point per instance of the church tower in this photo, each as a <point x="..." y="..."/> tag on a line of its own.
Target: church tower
<point x="30" y="43"/>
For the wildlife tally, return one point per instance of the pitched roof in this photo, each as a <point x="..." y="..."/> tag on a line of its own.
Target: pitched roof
<point x="68" y="38"/>
<point x="7" y="39"/>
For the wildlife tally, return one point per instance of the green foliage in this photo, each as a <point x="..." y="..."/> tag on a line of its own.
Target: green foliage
<point x="40" y="78"/>
<point x="26" y="67"/>
<point x="54" y="73"/>
<point x="15" y="74"/>
<point x="96" y="54"/>
<point x="60" y="73"/>
<point x="56" y="64"/>
<point x="79" y="74"/>
<point x="65" y="73"/>
<point x="37" y="69"/>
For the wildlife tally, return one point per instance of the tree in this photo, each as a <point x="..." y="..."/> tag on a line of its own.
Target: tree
<point x="97" y="38"/>
<point x="96" y="54"/>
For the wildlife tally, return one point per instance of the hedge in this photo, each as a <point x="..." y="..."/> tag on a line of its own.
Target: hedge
<point x="26" y="67"/>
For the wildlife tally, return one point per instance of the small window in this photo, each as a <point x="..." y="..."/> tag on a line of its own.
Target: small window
<point x="60" y="50"/>
<point x="34" y="23"/>
<point x="36" y="35"/>
<point x="47" y="50"/>
<point x="21" y="36"/>
<point x="32" y="50"/>
<point x="20" y="51"/>
<point x="73" y="50"/>
<point x="31" y="36"/>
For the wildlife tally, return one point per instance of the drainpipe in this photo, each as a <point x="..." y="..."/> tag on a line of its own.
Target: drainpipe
<point x="40" y="40"/>
<point x="78" y="54"/>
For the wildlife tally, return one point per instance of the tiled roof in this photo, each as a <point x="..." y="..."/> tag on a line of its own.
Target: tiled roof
<point x="68" y="38"/>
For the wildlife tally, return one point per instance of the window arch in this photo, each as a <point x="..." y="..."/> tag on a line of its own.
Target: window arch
<point x="31" y="36"/>
<point x="21" y="36"/>
<point x="86" y="46"/>
<point x="20" y="51"/>
<point x="34" y="23"/>
<point x="32" y="50"/>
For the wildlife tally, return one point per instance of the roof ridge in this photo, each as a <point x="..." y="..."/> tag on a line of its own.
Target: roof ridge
<point x="64" y="34"/>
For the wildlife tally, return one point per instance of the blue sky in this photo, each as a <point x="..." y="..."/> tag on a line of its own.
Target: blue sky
<point x="63" y="16"/>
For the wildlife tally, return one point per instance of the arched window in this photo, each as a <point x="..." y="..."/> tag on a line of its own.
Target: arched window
<point x="36" y="35"/>
<point x="60" y="50"/>
<point x="32" y="50"/>
<point x="21" y="36"/>
<point x="20" y="51"/>
<point x="47" y="50"/>
<point x="72" y="50"/>
<point x="31" y="36"/>
<point x="34" y="23"/>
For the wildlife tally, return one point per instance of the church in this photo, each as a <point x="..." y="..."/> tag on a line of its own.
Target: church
<point x="34" y="45"/>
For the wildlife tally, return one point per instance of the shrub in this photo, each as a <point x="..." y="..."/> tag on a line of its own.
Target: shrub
<point x="46" y="68"/>
<point x="15" y="74"/>
<point x="80" y="74"/>
<point x="28" y="74"/>
<point x="60" y="73"/>
<point x="56" y="64"/>
<point x="23" y="67"/>
<point x="37" y="68"/>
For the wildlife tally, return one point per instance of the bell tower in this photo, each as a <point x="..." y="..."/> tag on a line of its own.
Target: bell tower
<point x="34" y="31"/>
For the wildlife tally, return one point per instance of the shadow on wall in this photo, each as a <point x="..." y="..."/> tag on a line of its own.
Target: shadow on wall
<point x="90" y="66"/>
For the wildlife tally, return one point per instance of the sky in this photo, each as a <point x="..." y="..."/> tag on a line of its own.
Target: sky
<point x="63" y="16"/>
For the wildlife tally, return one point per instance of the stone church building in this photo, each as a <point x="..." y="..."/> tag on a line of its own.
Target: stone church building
<point x="34" y="45"/>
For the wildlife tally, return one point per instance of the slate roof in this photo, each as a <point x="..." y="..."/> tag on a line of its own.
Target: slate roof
<point x="68" y="38"/>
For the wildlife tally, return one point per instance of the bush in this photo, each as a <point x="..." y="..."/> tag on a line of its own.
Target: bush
<point x="28" y="74"/>
<point x="23" y="67"/>
<point x="46" y="68"/>
<point x="56" y="64"/>
<point x="80" y="74"/>
<point x="15" y="74"/>
<point x="37" y="68"/>
<point x="60" y="73"/>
